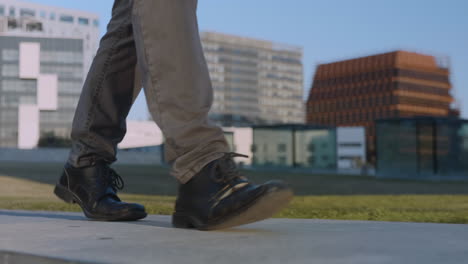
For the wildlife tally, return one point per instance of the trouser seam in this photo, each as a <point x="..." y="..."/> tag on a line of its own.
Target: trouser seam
<point x="97" y="91"/>
<point x="154" y="82"/>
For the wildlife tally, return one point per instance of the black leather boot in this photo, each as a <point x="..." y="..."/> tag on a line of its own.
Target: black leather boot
<point x="94" y="189"/>
<point x="219" y="197"/>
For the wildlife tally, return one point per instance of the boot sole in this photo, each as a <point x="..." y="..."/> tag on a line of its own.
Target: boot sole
<point x="67" y="196"/>
<point x="262" y="208"/>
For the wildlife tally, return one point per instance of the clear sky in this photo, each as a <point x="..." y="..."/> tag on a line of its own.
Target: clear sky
<point x="330" y="30"/>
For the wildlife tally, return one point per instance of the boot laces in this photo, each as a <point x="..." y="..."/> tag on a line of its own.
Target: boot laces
<point x="227" y="169"/>
<point x="115" y="181"/>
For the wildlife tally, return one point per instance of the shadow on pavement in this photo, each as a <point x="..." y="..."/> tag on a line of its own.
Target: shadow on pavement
<point x="73" y="217"/>
<point x="42" y="215"/>
<point x="144" y="222"/>
<point x="8" y="257"/>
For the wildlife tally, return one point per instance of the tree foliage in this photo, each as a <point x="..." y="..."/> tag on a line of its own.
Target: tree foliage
<point x="50" y="140"/>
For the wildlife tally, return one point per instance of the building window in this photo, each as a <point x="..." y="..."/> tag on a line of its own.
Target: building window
<point x="349" y="158"/>
<point x="2" y="10"/>
<point x="27" y="12"/>
<point x="83" y="21"/>
<point x="35" y="26"/>
<point x="350" y="144"/>
<point x="253" y="148"/>
<point x="10" y="55"/>
<point x="282" y="160"/>
<point x="66" y="18"/>
<point x="282" y="147"/>
<point x="42" y="14"/>
<point x="52" y="16"/>
<point x="96" y="23"/>
<point x="12" y="11"/>
<point x="10" y="70"/>
<point x="311" y="160"/>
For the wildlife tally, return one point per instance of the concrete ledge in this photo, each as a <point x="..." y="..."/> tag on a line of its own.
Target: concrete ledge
<point x="70" y="236"/>
<point x="8" y="257"/>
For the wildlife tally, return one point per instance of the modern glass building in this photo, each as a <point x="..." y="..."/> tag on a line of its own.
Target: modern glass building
<point x="426" y="148"/>
<point x="22" y="18"/>
<point x="358" y="91"/>
<point x="254" y="81"/>
<point x="308" y="146"/>
<point x="45" y="51"/>
<point x="40" y="84"/>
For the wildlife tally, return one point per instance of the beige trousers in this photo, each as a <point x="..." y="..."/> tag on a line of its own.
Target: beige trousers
<point x="154" y="44"/>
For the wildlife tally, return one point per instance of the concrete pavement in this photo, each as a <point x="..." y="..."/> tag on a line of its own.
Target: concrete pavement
<point x="73" y="239"/>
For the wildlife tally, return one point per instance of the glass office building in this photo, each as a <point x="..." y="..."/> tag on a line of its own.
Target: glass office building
<point x="23" y="18"/>
<point x="422" y="148"/>
<point x="40" y="84"/>
<point x="294" y="146"/>
<point x="254" y="81"/>
<point x="45" y="51"/>
<point x="397" y="84"/>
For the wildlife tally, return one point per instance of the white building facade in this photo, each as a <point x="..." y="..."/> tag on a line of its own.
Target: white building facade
<point x="254" y="81"/>
<point x="350" y="147"/>
<point x="40" y="85"/>
<point x="305" y="146"/>
<point x="20" y="18"/>
<point x="143" y="134"/>
<point x="45" y="53"/>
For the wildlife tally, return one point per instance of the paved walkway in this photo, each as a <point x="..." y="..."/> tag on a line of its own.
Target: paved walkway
<point x="71" y="237"/>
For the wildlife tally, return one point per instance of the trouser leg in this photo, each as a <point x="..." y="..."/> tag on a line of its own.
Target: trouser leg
<point x="108" y="92"/>
<point x="177" y="84"/>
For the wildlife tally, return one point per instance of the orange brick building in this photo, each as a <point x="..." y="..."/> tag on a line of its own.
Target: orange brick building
<point x="356" y="92"/>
